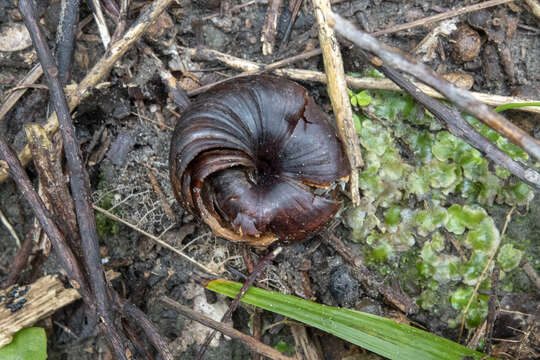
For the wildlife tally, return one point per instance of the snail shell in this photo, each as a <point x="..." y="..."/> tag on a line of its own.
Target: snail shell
<point x="248" y="157"/>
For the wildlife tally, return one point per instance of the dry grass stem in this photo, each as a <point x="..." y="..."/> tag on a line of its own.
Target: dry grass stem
<point x="250" y="67"/>
<point x="484" y="271"/>
<point x="152" y="237"/>
<point x="33" y="75"/>
<point x="535" y="7"/>
<point x="4" y="220"/>
<point x="268" y="33"/>
<point x="337" y="91"/>
<point x="443" y="16"/>
<point x="101" y="24"/>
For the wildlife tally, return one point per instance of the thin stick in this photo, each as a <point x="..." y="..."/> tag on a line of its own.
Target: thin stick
<point x="4" y="220"/>
<point x="493" y="310"/>
<point x="393" y="296"/>
<point x="535" y="7"/>
<point x="121" y="26"/>
<point x="65" y="34"/>
<point x="439" y="17"/>
<point x="100" y="22"/>
<point x="263" y="69"/>
<point x="65" y="255"/>
<point x="33" y="75"/>
<point x="100" y="69"/>
<point x="154" y="238"/>
<point x="268" y="32"/>
<point x="461" y="128"/>
<point x="80" y="185"/>
<point x="337" y="90"/>
<point x="235" y="8"/>
<point x="290" y="25"/>
<point x="152" y="333"/>
<point x="248" y="341"/>
<point x="250" y="67"/>
<point x="531" y="273"/>
<point x="234" y="304"/>
<point x="484" y="271"/>
<point x="460" y="97"/>
<point x="54" y="189"/>
<point x="21" y="259"/>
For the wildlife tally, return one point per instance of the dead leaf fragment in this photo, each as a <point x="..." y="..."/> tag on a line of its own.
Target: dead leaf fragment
<point x="463" y="81"/>
<point x="14" y="37"/>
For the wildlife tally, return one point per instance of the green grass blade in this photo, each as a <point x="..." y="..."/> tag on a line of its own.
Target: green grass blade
<point x="380" y="335"/>
<point x="515" y="105"/>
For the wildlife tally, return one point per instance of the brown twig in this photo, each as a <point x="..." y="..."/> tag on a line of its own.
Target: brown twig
<point x="460" y="97"/>
<point x="122" y="20"/>
<point x="65" y="255"/>
<point x="142" y="321"/>
<point x="461" y="128"/>
<point x="162" y="197"/>
<point x="54" y="190"/>
<point x="79" y="182"/>
<point x="234" y="304"/>
<point x="250" y="67"/>
<point x="337" y="91"/>
<point x="535" y="7"/>
<point x="439" y="17"/>
<point x="268" y="32"/>
<point x="101" y="69"/>
<point x="393" y="296"/>
<point x="262" y="69"/>
<point x="248" y="341"/>
<point x="290" y="25"/>
<point x="21" y="259"/>
<point x="65" y="35"/>
<point x="33" y="75"/>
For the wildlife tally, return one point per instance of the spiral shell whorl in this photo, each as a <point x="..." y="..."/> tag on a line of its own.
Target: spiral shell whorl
<point x="246" y="155"/>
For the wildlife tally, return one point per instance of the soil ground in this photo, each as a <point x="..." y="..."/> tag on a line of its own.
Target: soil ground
<point x="125" y="129"/>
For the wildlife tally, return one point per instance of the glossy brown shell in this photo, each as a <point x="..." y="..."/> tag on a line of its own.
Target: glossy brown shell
<point x="247" y="157"/>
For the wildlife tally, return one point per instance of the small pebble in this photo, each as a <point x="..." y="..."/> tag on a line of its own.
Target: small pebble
<point x="343" y="287"/>
<point x="467" y="44"/>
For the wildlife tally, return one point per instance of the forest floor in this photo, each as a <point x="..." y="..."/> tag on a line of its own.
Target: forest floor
<point x="125" y="128"/>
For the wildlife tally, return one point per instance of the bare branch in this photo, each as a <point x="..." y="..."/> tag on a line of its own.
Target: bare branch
<point x="460" y="97"/>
